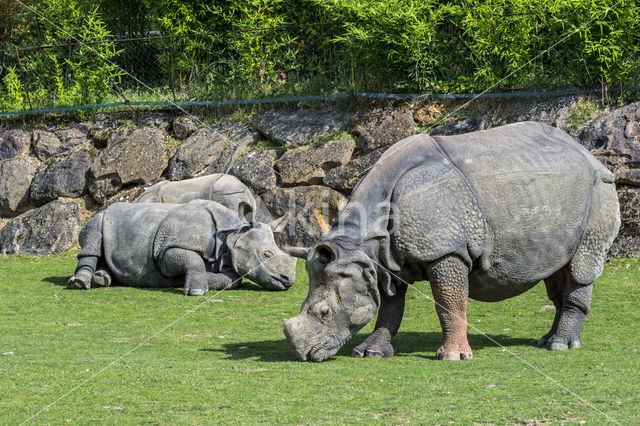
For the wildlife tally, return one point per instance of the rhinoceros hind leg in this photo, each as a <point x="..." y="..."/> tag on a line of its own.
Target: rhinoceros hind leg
<point x="102" y="278"/>
<point x="449" y="277"/>
<point x="576" y="304"/>
<point x="177" y="262"/>
<point x="572" y="302"/>
<point x="378" y="344"/>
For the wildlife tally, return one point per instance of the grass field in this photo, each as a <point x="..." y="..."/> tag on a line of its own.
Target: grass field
<point x="125" y="355"/>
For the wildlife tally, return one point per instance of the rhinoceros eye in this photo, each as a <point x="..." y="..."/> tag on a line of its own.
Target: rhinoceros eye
<point x="324" y="311"/>
<point x="268" y="254"/>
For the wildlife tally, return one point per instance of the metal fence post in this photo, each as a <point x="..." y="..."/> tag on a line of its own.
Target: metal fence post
<point x="26" y="85"/>
<point x="164" y="53"/>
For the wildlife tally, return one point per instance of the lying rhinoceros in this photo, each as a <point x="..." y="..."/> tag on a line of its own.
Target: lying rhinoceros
<point x="222" y="188"/>
<point x="200" y="245"/>
<point x="485" y="215"/>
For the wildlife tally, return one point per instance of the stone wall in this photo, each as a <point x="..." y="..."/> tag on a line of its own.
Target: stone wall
<point x="304" y="161"/>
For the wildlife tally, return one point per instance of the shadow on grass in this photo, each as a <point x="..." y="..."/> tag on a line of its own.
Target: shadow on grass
<point x="404" y="343"/>
<point x="62" y="282"/>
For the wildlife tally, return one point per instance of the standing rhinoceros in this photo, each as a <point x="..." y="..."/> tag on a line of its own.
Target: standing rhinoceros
<point x="484" y="215"/>
<point x="222" y="188"/>
<point x="200" y="245"/>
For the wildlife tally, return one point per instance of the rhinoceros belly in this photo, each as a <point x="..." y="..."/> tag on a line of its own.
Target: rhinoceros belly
<point x="533" y="184"/>
<point x="128" y="235"/>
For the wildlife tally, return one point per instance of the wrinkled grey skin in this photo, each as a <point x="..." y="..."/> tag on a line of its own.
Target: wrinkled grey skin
<point x="222" y="188"/>
<point x="200" y="245"/>
<point x="485" y="215"/>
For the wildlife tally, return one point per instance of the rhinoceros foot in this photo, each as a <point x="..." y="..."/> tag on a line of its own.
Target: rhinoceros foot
<point x="555" y="343"/>
<point x="462" y="352"/>
<point x="196" y="291"/>
<point x="101" y="278"/>
<point x="384" y="350"/>
<point x="377" y="345"/>
<point x="81" y="280"/>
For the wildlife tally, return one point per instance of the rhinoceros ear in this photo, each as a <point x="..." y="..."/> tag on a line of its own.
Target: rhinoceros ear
<point x="326" y="253"/>
<point x="245" y="211"/>
<point x="300" y="252"/>
<point x="279" y="225"/>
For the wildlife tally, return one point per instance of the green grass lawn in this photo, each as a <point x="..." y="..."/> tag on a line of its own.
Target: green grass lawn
<point x="130" y="355"/>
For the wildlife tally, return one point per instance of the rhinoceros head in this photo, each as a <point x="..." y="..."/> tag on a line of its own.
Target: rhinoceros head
<point x="254" y="254"/>
<point x="343" y="297"/>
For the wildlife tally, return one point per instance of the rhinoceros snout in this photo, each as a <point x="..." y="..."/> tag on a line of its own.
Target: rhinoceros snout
<point x="292" y="330"/>
<point x="286" y="281"/>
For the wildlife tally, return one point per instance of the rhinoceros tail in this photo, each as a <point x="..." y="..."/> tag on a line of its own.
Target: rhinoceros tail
<point x="601" y="229"/>
<point x="604" y="175"/>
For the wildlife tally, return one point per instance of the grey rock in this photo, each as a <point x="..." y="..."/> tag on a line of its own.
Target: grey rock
<point x="458" y="127"/>
<point x="375" y="128"/>
<point x="211" y="150"/>
<point x="13" y="143"/>
<point x="73" y="136"/>
<point x="50" y="229"/>
<point x="240" y="138"/>
<point x="66" y="178"/>
<point x="627" y="243"/>
<point x="155" y="121"/>
<point x="183" y="127"/>
<point x="48" y="144"/>
<point x="297" y="128"/>
<point x="262" y="212"/>
<point x="628" y="177"/>
<point x="101" y="133"/>
<point x="345" y="178"/>
<point x="255" y="170"/>
<point x="312" y="210"/>
<point x="140" y="157"/>
<point x="15" y="179"/>
<point x="612" y="138"/>
<point x="552" y="111"/>
<point x="307" y="165"/>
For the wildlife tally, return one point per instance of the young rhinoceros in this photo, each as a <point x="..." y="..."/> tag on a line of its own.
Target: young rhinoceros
<point x="485" y="215"/>
<point x="222" y="188"/>
<point x="200" y="245"/>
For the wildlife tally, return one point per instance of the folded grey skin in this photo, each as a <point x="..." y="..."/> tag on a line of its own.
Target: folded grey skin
<point x="200" y="245"/>
<point x="485" y="215"/>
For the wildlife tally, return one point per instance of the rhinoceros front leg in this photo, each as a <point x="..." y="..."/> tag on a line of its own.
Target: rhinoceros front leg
<point x="223" y="280"/>
<point x="572" y="302"/>
<point x="177" y="262"/>
<point x="449" y="277"/>
<point x="378" y="344"/>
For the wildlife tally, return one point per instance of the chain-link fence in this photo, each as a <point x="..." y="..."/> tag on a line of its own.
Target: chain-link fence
<point x="169" y="68"/>
<point x="52" y="57"/>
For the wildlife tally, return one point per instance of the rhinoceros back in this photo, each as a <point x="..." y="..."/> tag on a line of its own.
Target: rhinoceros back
<point x="534" y="185"/>
<point x="128" y="232"/>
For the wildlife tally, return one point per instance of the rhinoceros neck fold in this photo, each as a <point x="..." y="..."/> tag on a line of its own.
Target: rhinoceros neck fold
<point x="365" y="221"/>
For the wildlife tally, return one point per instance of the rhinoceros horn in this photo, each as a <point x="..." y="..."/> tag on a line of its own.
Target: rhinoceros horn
<point x="278" y="225"/>
<point x="300" y="252"/>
